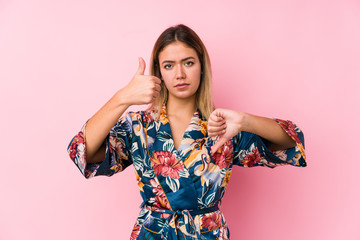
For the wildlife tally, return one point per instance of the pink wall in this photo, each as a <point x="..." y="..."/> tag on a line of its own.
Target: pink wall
<point x="61" y="60"/>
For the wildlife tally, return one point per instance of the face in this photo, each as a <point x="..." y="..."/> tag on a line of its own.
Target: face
<point x="180" y="69"/>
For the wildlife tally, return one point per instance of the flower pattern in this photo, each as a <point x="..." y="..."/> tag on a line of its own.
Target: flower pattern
<point x="160" y="199"/>
<point x="166" y="164"/>
<point x="174" y="183"/>
<point x="252" y="158"/>
<point x="211" y="221"/>
<point x="135" y="232"/>
<point x="223" y="157"/>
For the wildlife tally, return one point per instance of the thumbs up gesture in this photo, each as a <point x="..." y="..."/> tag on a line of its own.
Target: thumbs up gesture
<point x="142" y="89"/>
<point x="224" y="124"/>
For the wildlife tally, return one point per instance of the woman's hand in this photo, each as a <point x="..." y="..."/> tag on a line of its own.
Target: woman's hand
<point x="142" y="89"/>
<point x="225" y="124"/>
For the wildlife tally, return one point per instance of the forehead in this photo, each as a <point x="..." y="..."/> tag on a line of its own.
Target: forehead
<point x="177" y="51"/>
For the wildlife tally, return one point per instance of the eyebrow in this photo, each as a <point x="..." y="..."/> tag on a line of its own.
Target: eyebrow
<point x="182" y="60"/>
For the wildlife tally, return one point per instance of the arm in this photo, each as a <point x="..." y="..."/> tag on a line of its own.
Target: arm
<point x="141" y="89"/>
<point x="99" y="126"/>
<point x="256" y="141"/>
<point x="227" y="123"/>
<point x="268" y="129"/>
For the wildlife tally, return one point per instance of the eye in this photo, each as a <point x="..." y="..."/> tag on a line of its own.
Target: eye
<point x="167" y="66"/>
<point x="189" y="63"/>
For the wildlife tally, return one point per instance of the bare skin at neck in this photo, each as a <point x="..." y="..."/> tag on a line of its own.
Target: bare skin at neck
<point x="180" y="112"/>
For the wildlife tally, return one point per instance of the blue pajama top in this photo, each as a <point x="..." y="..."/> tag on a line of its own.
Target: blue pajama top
<point x="181" y="188"/>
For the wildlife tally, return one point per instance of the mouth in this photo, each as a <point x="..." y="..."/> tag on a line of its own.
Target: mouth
<point x="182" y="85"/>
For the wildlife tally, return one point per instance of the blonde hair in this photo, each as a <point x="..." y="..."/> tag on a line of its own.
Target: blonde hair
<point x="184" y="34"/>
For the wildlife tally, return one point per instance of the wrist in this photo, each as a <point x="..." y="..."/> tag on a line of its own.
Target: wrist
<point x="244" y="121"/>
<point x="122" y="99"/>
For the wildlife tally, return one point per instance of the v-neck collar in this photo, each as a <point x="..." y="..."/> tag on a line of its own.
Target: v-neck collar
<point x="197" y="128"/>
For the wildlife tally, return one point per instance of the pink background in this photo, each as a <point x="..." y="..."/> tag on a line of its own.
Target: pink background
<point x="60" y="61"/>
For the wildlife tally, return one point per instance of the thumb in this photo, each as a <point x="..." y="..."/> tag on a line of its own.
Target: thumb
<point x="141" y="68"/>
<point x="217" y="145"/>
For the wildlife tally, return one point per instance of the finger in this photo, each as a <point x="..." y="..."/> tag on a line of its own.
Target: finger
<point x="142" y="66"/>
<point x="216" y="124"/>
<point x="217" y="145"/>
<point x="157" y="80"/>
<point x="218" y="129"/>
<point x="156" y="95"/>
<point x="219" y="114"/>
<point x="156" y="92"/>
<point x="216" y="133"/>
<point x="215" y="116"/>
<point x="157" y="88"/>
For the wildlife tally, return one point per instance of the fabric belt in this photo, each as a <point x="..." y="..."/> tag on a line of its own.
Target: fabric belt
<point x="182" y="220"/>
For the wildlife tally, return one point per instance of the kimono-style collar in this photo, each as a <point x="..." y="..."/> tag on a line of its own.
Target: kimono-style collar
<point x="196" y="129"/>
<point x="197" y="122"/>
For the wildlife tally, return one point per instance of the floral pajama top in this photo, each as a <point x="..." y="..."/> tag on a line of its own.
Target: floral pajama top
<point x="181" y="188"/>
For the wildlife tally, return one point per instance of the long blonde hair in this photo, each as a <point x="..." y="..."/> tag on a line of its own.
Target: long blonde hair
<point x="186" y="35"/>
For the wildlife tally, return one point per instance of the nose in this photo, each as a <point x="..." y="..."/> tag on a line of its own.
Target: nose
<point x="180" y="73"/>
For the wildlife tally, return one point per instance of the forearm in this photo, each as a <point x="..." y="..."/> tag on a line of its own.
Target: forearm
<point x="268" y="129"/>
<point x="142" y="89"/>
<point x="99" y="126"/>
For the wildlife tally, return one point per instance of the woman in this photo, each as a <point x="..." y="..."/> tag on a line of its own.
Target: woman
<point x="182" y="149"/>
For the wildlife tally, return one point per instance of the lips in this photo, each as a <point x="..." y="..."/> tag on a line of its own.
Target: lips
<point x="181" y="85"/>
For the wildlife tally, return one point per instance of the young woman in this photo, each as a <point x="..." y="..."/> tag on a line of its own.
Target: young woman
<point x="182" y="148"/>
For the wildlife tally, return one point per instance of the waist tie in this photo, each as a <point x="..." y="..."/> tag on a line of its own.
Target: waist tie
<point x="181" y="219"/>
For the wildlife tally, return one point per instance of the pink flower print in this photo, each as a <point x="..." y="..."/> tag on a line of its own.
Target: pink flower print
<point x="166" y="164"/>
<point x="161" y="200"/>
<point x="148" y="118"/>
<point x="224" y="155"/>
<point x="280" y="154"/>
<point x="78" y="140"/>
<point x="118" y="146"/>
<point x="251" y="158"/>
<point x="211" y="221"/>
<point x="289" y="127"/>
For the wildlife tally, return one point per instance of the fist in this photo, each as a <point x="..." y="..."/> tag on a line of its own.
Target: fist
<point x="224" y="124"/>
<point x="142" y="89"/>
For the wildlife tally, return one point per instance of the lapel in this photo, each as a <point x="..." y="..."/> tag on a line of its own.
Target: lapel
<point x="197" y="129"/>
<point x="173" y="174"/>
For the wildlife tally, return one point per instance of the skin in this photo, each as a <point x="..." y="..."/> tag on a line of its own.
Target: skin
<point x="179" y="64"/>
<point x="142" y="89"/>
<point x="180" y="69"/>
<point x="225" y="124"/>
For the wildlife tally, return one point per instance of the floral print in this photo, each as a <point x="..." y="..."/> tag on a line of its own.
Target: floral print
<point x="223" y="156"/>
<point x="252" y="158"/>
<point x="292" y="131"/>
<point x="181" y="188"/>
<point x="211" y="221"/>
<point x="160" y="199"/>
<point x="166" y="164"/>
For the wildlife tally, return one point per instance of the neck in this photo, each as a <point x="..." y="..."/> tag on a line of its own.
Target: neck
<point x="180" y="107"/>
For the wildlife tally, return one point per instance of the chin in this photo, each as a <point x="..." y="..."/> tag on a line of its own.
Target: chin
<point x="183" y="95"/>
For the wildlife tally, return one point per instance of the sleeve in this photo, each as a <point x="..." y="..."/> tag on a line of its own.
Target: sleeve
<point x="250" y="150"/>
<point x="117" y="153"/>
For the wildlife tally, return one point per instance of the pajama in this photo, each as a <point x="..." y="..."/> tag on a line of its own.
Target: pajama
<point x="181" y="188"/>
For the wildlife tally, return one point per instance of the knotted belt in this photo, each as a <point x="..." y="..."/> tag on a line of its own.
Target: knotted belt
<point x="182" y="220"/>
